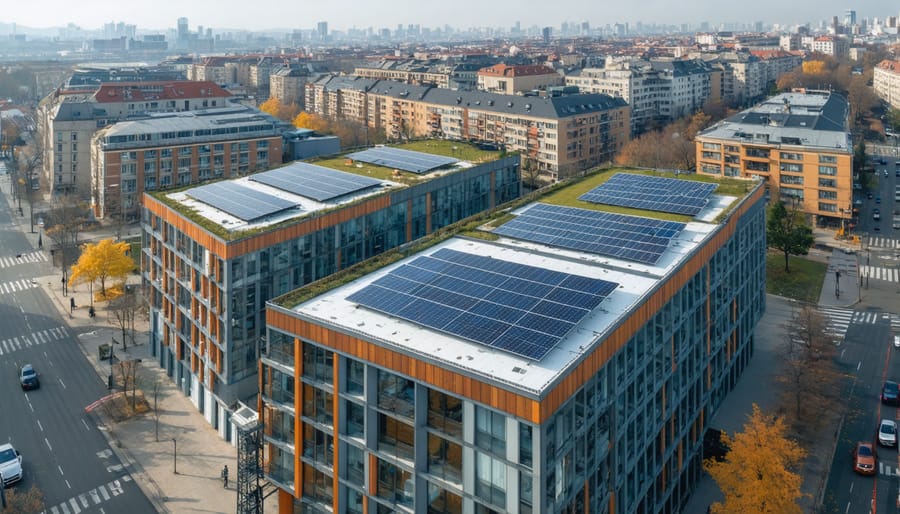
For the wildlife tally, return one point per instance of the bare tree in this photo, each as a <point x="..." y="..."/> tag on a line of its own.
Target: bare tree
<point x="124" y="309"/>
<point x="809" y="373"/>
<point x="63" y="223"/>
<point x="128" y="377"/>
<point x="24" y="501"/>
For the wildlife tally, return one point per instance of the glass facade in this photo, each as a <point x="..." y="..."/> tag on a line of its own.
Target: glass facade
<point x="629" y="430"/>
<point x="204" y="303"/>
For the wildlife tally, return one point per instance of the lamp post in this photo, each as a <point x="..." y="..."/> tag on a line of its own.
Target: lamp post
<point x="175" y="456"/>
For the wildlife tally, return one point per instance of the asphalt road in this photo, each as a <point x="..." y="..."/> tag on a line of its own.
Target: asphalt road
<point x="65" y="455"/>
<point x="868" y="358"/>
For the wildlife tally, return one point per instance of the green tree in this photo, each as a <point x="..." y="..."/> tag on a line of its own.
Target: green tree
<point x="788" y="232"/>
<point x="759" y="473"/>
<point x="100" y="262"/>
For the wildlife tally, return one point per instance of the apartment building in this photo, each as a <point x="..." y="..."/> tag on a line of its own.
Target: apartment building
<point x="886" y="82"/>
<point x="67" y="121"/>
<point x="558" y="136"/>
<point x="287" y="83"/>
<point x="517" y="79"/>
<point x="835" y="46"/>
<point x="798" y="144"/>
<point x="409" y="71"/>
<point x="169" y="150"/>
<point x="431" y="383"/>
<point x="213" y="255"/>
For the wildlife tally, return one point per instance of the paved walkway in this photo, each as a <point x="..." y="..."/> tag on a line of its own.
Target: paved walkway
<point x="146" y="447"/>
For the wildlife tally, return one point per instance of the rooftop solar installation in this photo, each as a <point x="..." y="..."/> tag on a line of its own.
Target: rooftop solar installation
<point x="631" y="238"/>
<point x="316" y="182"/>
<point x="652" y="193"/>
<point x="406" y="160"/>
<point x="516" y="308"/>
<point x="240" y="201"/>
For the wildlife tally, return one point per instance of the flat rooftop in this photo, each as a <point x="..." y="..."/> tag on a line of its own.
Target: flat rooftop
<point x="228" y="225"/>
<point x="812" y="120"/>
<point x="531" y="377"/>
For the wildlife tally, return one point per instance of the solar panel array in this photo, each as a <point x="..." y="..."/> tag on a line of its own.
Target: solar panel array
<point x="520" y="309"/>
<point x="316" y="182"/>
<point x="240" y="201"/>
<point x="407" y="160"/>
<point x="652" y="193"/>
<point x="617" y="235"/>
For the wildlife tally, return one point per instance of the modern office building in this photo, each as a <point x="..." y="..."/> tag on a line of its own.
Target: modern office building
<point x="214" y="254"/>
<point x="561" y="359"/>
<point x="797" y="143"/>
<point x="166" y="150"/>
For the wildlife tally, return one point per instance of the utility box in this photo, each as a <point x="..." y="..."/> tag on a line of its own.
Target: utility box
<point x="104" y="351"/>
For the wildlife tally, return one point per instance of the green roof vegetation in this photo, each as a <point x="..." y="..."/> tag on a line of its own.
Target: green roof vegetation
<point x="563" y="193"/>
<point x="462" y="151"/>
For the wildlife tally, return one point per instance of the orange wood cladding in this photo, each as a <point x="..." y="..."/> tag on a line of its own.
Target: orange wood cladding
<point x="231" y="249"/>
<point x="501" y="399"/>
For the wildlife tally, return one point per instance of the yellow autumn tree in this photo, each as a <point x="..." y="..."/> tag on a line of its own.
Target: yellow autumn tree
<point x="814" y="67"/>
<point x="759" y="473"/>
<point x="271" y="106"/>
<point x="101" y="262"/>
<point x="280" y="110"/>
<point x="310" y="121"/>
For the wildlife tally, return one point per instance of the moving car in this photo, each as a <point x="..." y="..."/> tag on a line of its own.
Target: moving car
<point x="887" y="433"/>
<point x="28" y="378"/>
<point x="10" y="464"/>
<point x="864" y="458"/>
<point x="890" y="393"/>
<point x="896" y="341"/>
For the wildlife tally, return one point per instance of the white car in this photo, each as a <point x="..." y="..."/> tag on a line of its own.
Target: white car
<point x="10" y="464"/>
<point x="887" y="433"/>
<point x="896" y="341"/>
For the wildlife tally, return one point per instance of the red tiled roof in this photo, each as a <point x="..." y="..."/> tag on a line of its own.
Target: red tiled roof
<point x="502" y="70"/>
<point x="110" y="92"/>
<point x="889" y="65"/>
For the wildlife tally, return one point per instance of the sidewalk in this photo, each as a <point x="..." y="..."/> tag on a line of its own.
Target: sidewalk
<point x="201" y="454"/>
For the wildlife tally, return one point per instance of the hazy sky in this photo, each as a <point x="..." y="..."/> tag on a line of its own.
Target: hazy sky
<point x="343" y="14"/>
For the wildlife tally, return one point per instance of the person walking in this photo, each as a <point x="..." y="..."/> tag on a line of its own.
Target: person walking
<point x="225" y="475"/>
<point x="71" y="305"/>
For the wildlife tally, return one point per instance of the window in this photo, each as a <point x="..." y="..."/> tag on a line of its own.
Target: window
<point x="712" y="169"/>
<point x="712" y="146"/>
<point x="445" y="413"/>
<point x="794" y="168"/>
<point x="828" y="195"/>
<point x="787" y="156"/>
<point x="827" y="207"/>
<point x="791" y="179"/>
<point x="827" y="182"/>
<point x="490" y="479"/>
<point x="317" y="363"/>
<point x="827" y="170"/>
<point x="828" y="159"/>
<point x="490" y="430"/>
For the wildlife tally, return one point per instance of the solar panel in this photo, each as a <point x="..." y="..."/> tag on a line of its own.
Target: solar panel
<point x="652" y="193"/>
<point x="240" y="201"/>
<point x="316" y="182"/>
<point x="631" y="238"/>
<point x="516" y="308"/>
<point x="407" y="160"/>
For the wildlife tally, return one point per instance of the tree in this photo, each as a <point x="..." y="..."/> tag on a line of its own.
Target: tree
<point x="809" y="373"/>
<point x="310" y="121"/>
<point x="861" y="97"/>
<point x="273" y="106"/>
<point x="124" y="308"/>
<point x="101" y="262"/>
<point x="758" y="475"/>
<point x="859" y="157"/>
<point x="788" y="232"/>
<point x="28" y="501"/>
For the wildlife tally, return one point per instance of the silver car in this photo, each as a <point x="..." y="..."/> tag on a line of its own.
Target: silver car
<point x="10" y="464"/>
<point x="887" y="433"/>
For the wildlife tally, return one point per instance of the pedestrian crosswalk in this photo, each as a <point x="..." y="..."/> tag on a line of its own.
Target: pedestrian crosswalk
<point x="13" y="260"/>
<point x="15" y="344"/>
<point x="883" y="242"/>
<point x="839" y="319"/>
<point x="879" y="273"/>
<point x="17" y="285"/>
<point x="887" y="469"/>
<point x="90" y="499"/>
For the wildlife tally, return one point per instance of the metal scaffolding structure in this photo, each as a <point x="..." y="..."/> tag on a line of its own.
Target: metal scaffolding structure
<point x="249" y="461"/>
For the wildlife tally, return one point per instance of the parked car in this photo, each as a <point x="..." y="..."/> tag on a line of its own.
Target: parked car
<point x="890" y="393"/>
<point x="869" y="195"/>
<point x="10" y="464"/>
<point x="28" y="378"/>
<point x="887" y="433"/>
<point x="878" y="199"/>
<point x="896" y="341"/>
<point x="864" y="458"/>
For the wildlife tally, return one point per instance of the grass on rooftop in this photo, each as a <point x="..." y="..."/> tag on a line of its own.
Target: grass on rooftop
<point x="568" y="196"/>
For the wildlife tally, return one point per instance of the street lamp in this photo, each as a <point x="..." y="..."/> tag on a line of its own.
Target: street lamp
<point x="175" y="456"/>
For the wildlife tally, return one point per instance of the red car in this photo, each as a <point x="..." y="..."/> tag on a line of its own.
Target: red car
<point x="864" y="458"/>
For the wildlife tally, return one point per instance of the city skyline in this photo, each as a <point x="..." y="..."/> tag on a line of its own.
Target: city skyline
<point x="343" y="15"/>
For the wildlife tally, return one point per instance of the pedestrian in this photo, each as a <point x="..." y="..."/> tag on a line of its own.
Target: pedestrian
<point x="71" y="305"/>
<point x="91" y="311"/>
<point x="225" y="475"/>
